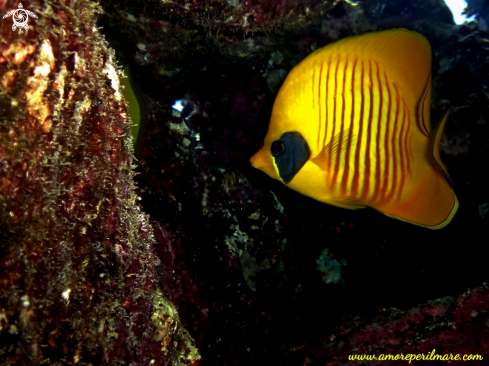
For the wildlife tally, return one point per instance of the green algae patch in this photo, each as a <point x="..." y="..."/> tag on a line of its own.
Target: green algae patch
<point x="169" y="329"/>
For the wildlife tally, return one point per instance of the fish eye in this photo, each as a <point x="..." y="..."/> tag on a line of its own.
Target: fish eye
<point x="277" y="148"/>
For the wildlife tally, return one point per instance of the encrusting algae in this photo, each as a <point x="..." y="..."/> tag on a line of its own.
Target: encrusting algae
<point x="77" y="274"/>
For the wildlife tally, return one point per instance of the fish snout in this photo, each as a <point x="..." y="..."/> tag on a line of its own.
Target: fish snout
<point x="258" y="160"/>
<point x="263" y="161"/>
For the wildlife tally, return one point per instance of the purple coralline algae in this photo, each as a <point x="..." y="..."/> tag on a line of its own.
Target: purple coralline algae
<point x="77" y="274"/>
<point x="431" y="330"/>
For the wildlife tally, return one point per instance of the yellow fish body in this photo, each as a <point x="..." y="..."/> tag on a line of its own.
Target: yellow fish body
<point x="350" y="127"/>
<point x="135" y="108"/>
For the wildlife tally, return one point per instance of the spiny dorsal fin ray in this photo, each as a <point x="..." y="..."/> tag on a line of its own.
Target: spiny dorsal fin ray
<point x="404" y="55"/>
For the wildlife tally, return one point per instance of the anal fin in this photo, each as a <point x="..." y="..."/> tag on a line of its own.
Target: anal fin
<point x="349" y="203"/>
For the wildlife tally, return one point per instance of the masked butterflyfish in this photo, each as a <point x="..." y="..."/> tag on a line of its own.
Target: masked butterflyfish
<point x="135" y="99"/>
<point x="350" y="127"/>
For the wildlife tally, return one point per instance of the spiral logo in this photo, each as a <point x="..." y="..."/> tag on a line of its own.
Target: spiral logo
<point x="20" y="18"/>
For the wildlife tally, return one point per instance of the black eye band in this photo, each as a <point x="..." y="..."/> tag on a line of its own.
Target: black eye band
<point x="290" y="154"/>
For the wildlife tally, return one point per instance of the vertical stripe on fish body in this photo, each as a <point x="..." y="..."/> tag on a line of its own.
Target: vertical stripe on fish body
<point x="361" y="107"/>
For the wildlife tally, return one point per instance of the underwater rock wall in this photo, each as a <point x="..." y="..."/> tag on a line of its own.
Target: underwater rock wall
<point x="442" y="328"/>
<point x="248" y="16"/>
<point x="77" y="267"/>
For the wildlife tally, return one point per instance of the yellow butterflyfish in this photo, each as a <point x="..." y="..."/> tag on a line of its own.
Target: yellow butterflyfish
<point x="350" y="127"/>
<point x="134" y="106"/>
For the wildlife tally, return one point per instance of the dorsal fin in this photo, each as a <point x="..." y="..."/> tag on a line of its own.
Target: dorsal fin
<point x="435" y="139"/>
<point x="329" y="155"/>
<point x="405" y="56"/>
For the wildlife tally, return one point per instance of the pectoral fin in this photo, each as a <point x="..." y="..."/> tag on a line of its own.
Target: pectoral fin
<point x="327" y="159"/>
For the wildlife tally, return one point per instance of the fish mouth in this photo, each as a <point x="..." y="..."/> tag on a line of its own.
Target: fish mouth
<point x="257" y="160"/>
<point x="263" y="161"/>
